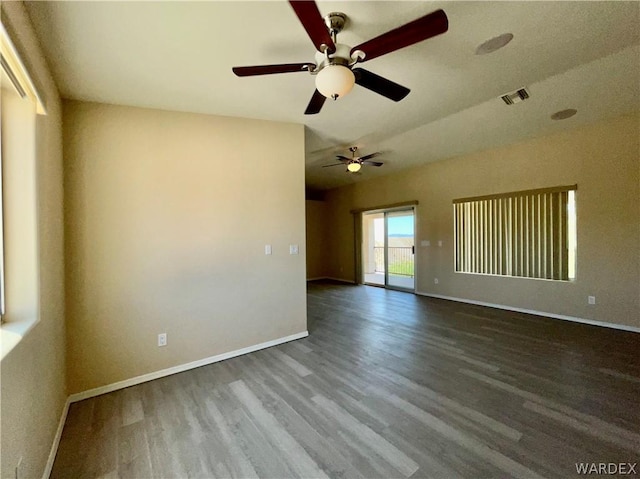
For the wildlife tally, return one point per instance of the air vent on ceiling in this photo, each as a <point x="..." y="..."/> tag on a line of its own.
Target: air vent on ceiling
<point x="515" y="96"/>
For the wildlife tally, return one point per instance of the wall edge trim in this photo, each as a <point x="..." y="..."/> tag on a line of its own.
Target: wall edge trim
<point x="56" y="441"/>
<point x="592" y="322"/>
<point x="182" y="367"/>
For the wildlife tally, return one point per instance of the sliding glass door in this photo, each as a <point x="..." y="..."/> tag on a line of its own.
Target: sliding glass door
<point x="388" y="249"/>
<point x="400" y="249"/>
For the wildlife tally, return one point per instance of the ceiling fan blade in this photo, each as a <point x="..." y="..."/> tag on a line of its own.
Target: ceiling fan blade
<point x="380" y="85"/>
<point x="335" y="164"/>
<point x="373" y="163"/>
<point x="413" y="32"/>
<point x="368" y="157"/>
<point x="271" y="69"/>
<point x="312" y="21"/>
<point x="343" y="158"/>
<point x="315" y="105"/>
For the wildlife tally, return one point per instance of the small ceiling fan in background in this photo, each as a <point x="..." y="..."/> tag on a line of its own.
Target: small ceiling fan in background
<point x="334" y="62"/>
<point x="354" y="164"/>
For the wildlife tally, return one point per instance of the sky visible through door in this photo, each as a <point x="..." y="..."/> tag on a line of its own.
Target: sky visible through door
<point x="398" y="226"/>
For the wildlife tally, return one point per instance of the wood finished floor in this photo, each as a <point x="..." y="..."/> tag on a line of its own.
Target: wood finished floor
<point x="388" y="384"/>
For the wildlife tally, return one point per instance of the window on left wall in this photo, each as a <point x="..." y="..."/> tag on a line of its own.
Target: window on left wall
<point x="20" y="107"/>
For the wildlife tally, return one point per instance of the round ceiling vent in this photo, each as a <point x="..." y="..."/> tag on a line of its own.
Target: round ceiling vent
<point x="493" y="44"/>
<point x="564" y="114"/>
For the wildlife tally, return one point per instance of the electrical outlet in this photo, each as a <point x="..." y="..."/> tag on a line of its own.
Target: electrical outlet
<point x="162" y="339"/>
<point x="267" y="249"/>
<point x="440" y="243"/>
<point x="435" y="280"/>
<point x="293" y="249"/>
<point x="591" y="299"/>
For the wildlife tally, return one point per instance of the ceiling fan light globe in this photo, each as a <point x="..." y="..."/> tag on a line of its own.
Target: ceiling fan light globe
<point x="354" y="166"/>
<point x="335" y="81"/>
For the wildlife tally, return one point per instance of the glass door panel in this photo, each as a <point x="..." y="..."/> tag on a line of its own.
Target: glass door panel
<point x="400" y="249"/>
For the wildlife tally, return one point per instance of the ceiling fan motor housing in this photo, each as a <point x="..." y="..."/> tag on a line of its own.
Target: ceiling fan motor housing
<point x="342" y="56"/>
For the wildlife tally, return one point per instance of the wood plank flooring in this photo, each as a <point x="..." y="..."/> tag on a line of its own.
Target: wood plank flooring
<point x="387" y="385"/>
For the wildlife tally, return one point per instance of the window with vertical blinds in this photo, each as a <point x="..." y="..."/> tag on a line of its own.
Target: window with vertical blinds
<point x="530" y="234"/>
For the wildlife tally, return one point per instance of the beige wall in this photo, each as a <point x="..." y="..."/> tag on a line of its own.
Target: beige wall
<point x="167" y="217"/>
<point x="316" y="218"/>
<point x="603" y="159"/>
<point x="33" y="373"/>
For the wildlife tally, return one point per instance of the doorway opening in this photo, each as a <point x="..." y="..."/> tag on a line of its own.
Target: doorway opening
<point x="388" y="248"/>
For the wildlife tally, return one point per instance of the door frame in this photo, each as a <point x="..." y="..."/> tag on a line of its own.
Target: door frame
<point x="359" y="243"/>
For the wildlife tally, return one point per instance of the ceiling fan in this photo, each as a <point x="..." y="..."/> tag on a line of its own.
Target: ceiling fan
<point x="355" y="162"/>
<point x="334" y="62"/>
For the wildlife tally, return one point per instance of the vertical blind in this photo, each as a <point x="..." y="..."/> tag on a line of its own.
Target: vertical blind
<point x="523" y="233"/>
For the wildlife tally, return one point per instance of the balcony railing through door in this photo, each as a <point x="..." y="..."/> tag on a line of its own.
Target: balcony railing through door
<point x="401" y="260"/>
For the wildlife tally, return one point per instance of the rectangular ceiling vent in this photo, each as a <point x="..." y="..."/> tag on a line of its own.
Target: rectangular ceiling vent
<point x="515" y="96"/>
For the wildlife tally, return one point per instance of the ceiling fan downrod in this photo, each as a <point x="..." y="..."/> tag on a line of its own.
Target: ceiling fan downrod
<point x="335" y="23"/>
<point x="333" y="68"/>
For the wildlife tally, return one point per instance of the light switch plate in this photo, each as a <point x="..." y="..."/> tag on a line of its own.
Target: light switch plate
<point x="425" y="243"/>
<point x="591" y="299"/>
<point x="267" y="249"/>
<point x="293" y="249"/>
<point x="440" y="243"/>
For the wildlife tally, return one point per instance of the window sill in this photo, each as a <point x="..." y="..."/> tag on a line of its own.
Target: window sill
<point x="11" y="333"/>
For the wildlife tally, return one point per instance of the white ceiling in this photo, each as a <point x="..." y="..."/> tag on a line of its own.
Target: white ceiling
<point x="178" y="56"/>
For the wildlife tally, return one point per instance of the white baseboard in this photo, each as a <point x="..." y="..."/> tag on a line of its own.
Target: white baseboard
<point x="341" y="280"/>
<point x="56" y="441"/>
<point x="182" y="367"/>
<point x="329" y="278"/>
<point x="563" y="317"/>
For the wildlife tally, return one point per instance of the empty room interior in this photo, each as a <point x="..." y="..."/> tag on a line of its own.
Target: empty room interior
<point x="355" y="239"/>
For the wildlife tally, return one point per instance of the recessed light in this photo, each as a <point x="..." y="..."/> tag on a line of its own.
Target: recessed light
<point x="564" y="114"/>
<point x="493" y="44"/>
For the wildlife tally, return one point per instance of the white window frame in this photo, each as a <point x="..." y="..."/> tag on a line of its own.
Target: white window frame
<point x="18" y="318"/>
